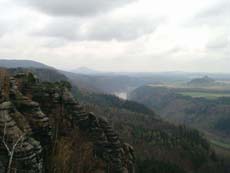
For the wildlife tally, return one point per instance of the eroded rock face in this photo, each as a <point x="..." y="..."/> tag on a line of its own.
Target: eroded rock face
<point x="27" y="154"/>
<point x="47" y="114"/>
<point x="20" y="119"/>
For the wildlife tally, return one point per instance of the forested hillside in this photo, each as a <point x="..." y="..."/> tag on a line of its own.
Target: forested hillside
<point x="22" y="64"/>
<point x="208" y="111"/>
<point x="203" y="109"/>
<point x="159" y="146"/>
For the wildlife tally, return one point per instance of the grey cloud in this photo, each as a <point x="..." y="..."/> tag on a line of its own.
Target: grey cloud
<point x="75" y="7"/>
<point x="54" y="43"/>
<point x="175" y="50"/>
<point x="126" y="29"/>
<point x="215" y="15"/>
<point x="5" y="27"/>
<point x="218" y="43"/>
<point x="67" y="29"/>
<point x="222" y="8"/>
<point x="2" y="31"/>
<point x="101" y="29"/>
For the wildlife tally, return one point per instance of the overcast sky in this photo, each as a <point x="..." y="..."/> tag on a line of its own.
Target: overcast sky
<point x="118" y="35"/>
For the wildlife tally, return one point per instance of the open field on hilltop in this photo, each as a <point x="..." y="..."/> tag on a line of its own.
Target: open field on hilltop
<point x="221" y="152"/>
<point x="220" y="144"/>
<point x="184" y="87"/>
<point x="211" y="92"/>
<point x="222" y="149"/>
<point x="207" y="95"/>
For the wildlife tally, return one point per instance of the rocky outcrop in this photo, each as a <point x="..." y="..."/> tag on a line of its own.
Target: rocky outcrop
<point x="27" y="154"/>
<point x="20" y="118"/>
<point x="45" y="113"/>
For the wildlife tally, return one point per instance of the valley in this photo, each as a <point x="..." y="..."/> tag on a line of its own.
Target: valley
<point x="205" y="108"/>
<point x="114" y="86"/>
<point x="207" y="95"/>
<point x="158" y="115"/>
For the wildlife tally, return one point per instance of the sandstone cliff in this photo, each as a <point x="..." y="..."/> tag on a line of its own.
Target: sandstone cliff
<point x="51" y="132"/>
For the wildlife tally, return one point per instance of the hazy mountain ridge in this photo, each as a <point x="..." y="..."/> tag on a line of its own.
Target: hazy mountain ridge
<point x="202" y="82"/>
<point x="22" y="63"/>
<point x="85" y="70"/>
<point x="111" y="82"/>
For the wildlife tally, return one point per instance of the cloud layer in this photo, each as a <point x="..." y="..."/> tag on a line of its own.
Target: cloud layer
<point x="100" y="29"/>
<point x="75" y="7"/>
<point x="118" y="35"/>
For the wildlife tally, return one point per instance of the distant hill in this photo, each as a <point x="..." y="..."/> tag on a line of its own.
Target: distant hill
<point x="204" y="81"/>
<point x="22" y="63"/>
<point x="208" y="112"/>
<point x="177" y="106"/>
<point x="104" y="83"/>
<point x="85" y="70"/>
<point x="111" y="83"/>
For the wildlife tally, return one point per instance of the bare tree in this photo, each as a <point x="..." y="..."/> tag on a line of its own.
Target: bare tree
<point x="12" y="150"/>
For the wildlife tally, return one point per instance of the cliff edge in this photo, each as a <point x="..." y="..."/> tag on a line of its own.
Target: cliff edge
<point x="44" y="129"/>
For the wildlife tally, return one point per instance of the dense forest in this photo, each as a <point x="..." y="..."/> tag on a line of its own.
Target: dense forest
<point x="159" y="146"/>
<point x="199" y="112"/>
